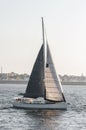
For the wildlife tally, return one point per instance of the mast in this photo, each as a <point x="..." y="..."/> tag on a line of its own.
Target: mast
<point x="44" y="56"/>
<point x="44" y="46"/>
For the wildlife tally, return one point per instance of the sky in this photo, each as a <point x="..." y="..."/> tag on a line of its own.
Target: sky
<point x="21" y="34"/>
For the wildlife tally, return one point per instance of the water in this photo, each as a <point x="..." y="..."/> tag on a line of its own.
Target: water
<point x="16" y="119"/>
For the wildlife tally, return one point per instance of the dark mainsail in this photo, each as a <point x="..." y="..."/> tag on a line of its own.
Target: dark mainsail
<point x="35" y="87"/>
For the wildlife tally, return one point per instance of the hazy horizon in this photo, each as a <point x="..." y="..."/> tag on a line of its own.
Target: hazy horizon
<point x="21" y="34"/>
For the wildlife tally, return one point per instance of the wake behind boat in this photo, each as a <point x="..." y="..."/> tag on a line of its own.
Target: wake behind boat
<point x="44" y="90"/>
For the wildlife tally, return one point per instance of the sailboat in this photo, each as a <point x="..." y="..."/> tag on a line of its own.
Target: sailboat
<point x="44" y="90"/>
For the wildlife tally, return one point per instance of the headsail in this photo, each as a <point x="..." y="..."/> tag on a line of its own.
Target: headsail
<point x="35" y="87"/>
<point x="52" y="84"/>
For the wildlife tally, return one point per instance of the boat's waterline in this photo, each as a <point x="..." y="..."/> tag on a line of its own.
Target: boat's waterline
<point x="56" y="106"/>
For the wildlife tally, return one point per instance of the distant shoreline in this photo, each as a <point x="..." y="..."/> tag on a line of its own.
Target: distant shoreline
<point x="73" y="83"/>
<point x="13" y="82"/>
<point x="25" y="82"/>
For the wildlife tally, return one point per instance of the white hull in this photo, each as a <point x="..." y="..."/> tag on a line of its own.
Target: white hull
<point x="56" y="106"/>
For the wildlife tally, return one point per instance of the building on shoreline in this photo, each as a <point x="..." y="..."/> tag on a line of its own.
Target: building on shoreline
<point x="13" y="76"/>
<point x="25" y="77"/>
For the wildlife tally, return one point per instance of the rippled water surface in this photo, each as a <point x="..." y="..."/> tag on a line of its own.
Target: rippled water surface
<point x="16" y="119"/>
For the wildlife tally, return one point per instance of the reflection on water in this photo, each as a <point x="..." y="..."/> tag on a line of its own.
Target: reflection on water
<point x="16" y="119"/>
<point x="44" y="119"/>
